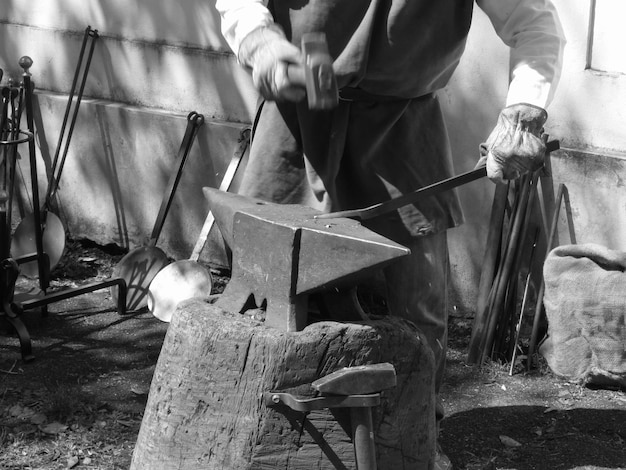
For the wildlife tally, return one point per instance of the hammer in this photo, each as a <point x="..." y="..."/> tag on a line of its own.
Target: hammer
<point x="316" y="73"/>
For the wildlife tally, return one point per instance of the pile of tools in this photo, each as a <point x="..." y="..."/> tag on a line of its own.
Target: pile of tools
<point x="522" y="230"/>
<point x="39" y="240"/>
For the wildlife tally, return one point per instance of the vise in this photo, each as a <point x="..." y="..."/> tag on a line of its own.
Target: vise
<point x="281" y="254"/>
<point x="355" y="388"/>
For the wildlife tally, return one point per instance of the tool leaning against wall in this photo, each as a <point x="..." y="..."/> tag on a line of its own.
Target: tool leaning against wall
<point x="53" y="231"/>
<point x="139" y="266"/>
<point x="185" y="279"/>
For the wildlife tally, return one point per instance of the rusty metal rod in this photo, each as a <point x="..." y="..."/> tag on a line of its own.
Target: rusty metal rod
<point x="538" y="308"/>
<point x="489" y="268"/>
<point x="518" y="327"/>
<point x="55" y="175"/>
<point x="26" y="63"/>
<point x="517" y="260"/>
<point x="409" y="198"/>
<point x="507" y="266"/>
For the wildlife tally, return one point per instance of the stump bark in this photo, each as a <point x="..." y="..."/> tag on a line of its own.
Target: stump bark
<point x="205" y="408"/>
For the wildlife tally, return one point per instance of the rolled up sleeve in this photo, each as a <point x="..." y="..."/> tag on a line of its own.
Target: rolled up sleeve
<point x="531" y="28"/>
<point x="240" y="17"/>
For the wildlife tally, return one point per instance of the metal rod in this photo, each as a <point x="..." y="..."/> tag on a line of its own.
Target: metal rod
<point x="507" y="265"/>
<point x="54" y="182"/>
<point x="68" y="108"/>
<point x="76" y="291"/>
<point x="491" y="259"/>
<point x="363" y="438"/>
<point x="26" y="63"/>
<point x="410" y="198"/>
<point x="535" y="331"/>
<point x="194" y="121"/>
<point x="524" y="299"/>
<point x="507" y="313"/>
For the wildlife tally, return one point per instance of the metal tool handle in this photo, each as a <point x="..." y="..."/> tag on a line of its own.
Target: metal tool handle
<point x="4" y="116"/>
<point x="194" y="121"/>
<point x="227" y="180"/>
<point x="319" y="403"/>
<point x="57" y="165"/>
<point x="316" y="73"/>
<point x="363" y="438"/>
<point x="416" y="196"/>
<point x="410" y="198"/>
<point x="42" y="266"/>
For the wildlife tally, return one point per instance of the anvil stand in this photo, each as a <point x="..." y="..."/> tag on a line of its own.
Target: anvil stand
<point x="12" y="308"/>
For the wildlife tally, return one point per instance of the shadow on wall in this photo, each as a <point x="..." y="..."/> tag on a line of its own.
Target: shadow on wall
<point x="161" y="55"/>
<point x="172" y="60"/>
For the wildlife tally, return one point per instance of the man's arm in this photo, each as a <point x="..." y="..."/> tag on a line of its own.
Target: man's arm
<point x="240" y="18"/>
<point x="531" y="28"/>
<point x="261" y="47"/>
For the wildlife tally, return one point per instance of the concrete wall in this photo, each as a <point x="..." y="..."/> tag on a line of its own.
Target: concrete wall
<point x="153" y="63"/>
<point x="156" y="61"/>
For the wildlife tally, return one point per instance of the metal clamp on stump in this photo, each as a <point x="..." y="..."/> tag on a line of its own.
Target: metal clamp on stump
<point x="357" y="388"/>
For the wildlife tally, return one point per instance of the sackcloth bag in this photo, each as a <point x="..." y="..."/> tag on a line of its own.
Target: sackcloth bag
<point x="585" y="304"/>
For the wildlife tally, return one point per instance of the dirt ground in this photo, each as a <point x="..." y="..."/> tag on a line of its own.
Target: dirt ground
<point x="79" y="403"/>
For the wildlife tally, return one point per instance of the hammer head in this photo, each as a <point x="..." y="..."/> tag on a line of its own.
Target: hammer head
<point x="316" y="73"/>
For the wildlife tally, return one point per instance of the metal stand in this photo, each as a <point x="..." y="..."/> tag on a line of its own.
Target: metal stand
<point x="10" y="137"/>
<point x="354" y="388"/>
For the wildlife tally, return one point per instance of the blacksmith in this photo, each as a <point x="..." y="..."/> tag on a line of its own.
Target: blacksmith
<point x="387" y="136"/>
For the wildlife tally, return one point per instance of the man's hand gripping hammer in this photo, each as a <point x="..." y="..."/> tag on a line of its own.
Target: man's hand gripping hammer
<point x="316" y="73"/>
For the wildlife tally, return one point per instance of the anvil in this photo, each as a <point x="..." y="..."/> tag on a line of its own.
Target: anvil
<point x="281" y="254"/>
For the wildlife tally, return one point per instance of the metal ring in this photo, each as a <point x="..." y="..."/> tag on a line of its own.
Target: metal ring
<point x="28" y="138"/>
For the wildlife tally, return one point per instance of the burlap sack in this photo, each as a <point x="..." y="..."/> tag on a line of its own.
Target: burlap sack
<point x="585" y="302"/>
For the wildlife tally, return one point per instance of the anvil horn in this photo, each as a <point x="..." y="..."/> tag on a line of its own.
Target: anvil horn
<point x="224" y="206"/>
<point x="281" y="253"/>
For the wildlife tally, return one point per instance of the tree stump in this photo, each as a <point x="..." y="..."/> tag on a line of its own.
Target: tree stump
<point x="205" y="407"/>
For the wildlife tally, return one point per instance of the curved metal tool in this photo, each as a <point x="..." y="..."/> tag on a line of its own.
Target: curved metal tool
<point x="53" y="231"/>
<point x="185" y="279"/>
<point x="139" y="266"/>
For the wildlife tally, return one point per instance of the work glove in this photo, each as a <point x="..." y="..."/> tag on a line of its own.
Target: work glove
<point x="515" y="146"/>
<point x="268" y="53"/>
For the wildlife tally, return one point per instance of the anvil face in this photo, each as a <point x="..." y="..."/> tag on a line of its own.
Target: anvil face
<point x="281" y="253"/>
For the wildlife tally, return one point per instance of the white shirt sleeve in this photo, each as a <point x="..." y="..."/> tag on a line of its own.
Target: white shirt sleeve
<point x="533" y="31"/>
<point x="530" y="27"/>
<point x="240" y="17"/>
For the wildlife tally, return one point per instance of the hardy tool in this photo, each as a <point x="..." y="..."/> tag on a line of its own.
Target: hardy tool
<point x="356" y="389"/>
